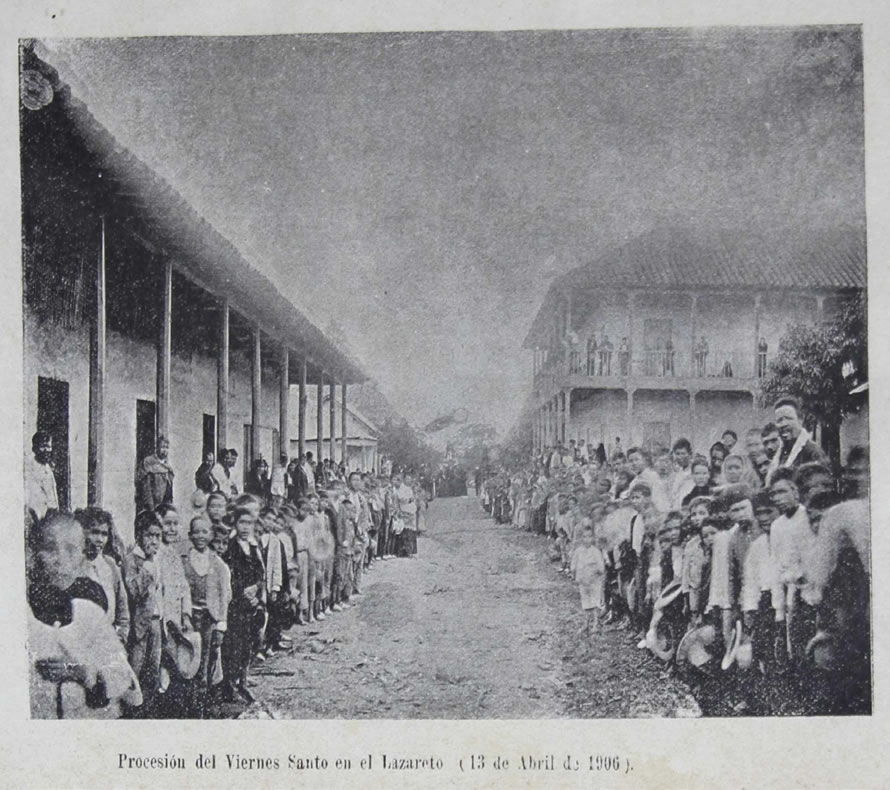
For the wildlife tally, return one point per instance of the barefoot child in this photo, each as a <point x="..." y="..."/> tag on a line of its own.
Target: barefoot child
<point x="589" y="569"/>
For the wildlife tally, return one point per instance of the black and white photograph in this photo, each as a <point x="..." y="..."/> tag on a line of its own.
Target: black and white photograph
<point x="471" y="375"/>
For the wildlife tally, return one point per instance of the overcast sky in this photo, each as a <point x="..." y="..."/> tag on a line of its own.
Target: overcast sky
<point x="425" y="188"/>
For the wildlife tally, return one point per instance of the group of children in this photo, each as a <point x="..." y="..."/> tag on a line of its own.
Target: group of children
<point x="204" y="593"/>
<point x="716" y="562"/>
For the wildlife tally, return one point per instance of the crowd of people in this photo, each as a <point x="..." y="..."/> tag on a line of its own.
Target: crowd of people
<point x="170" y="626"/>
<point x="747" y="567"/>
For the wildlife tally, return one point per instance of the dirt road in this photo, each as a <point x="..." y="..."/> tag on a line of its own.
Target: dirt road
<point x="478" y="625"/>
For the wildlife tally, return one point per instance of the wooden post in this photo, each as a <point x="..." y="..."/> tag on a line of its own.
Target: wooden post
<point x="283" y="406"/>
<point x="629" y="439"/>
<point x="222" y="379"/>
<point x="333" y="420"/>
<point x="757" y="300"/>
<point x="694" y="323"/>
<point x="96" y="439"/>
<point x="302" y="408"/>
<point x="319" y="421"/>
<point x="164" y="350"/>
<point x="343" y="455"/>
<point x="630" y="332"/>
<point x="256" y="395"/>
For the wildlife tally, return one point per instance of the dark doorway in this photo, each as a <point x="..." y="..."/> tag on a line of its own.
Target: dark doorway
<point x="208" y="444"/>
<point x="145" y="429"/>
<point x="52" y="417"/>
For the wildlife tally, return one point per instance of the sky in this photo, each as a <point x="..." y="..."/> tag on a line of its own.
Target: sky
<point x="423" y="190"/>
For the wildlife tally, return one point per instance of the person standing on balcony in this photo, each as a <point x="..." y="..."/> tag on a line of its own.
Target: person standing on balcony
<point x="669" y="357"/>
<point x="591" y="356"/>
<point x="762" y="349"/>
<point x="624" y="357"/>
<point x="701" y="357"/>
<point x="606" y="365"/>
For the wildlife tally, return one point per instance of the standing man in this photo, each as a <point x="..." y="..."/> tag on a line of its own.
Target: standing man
<point x="154" y="478"/>
<point x="362" y="525"/>
<point x="40" y="481"/>
<point x="797" y="446"/>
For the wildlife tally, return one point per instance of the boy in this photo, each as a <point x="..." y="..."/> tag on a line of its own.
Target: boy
<point x="211" y="592"/>
<point x="789" y="532"/>
<point x="101" y="568"/>
<point x="763" y="605"/>
<point x="142" y="578"/>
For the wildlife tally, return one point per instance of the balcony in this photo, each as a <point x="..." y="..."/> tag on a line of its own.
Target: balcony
<point x="724" y="370"/>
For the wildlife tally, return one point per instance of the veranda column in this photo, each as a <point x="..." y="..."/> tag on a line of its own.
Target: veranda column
<point x="96" y="439"/>
<point x="256" y="396"/>
<point x="222" y="379"/>
<point x="693" y="320"/>
<point x="343" y="457"/>
<point x="631" y="304"/>
<point x="629" y="439"/>
<point x="283" y="398"/>
<point x="164" y="349"/>
<point x="319" y="417"/>
<point x="757" y="306"/>
<point x="301" y="406"/>
<point x="333" y="411"/>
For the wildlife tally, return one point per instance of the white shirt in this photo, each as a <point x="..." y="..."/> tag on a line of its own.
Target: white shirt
<point x="40" y="487"/>
<point x="681" y="485"/>
<point x="759" y="575"/>
<point x="788" y="537"/>
<point x="278" y="483"/>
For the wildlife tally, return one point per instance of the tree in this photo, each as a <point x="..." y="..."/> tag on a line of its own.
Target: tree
<point x="815" y="364"/>
<point x="404" y="446"/>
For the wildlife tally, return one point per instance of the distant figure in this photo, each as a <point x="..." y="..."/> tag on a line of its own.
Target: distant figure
<point x="617" y="450"/>
<point x="591" y="356"/>
<point x="669" y="357"/>
<point x="606" y="357"/>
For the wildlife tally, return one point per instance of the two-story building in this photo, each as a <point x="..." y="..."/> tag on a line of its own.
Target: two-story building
<point x="670" y="334"/>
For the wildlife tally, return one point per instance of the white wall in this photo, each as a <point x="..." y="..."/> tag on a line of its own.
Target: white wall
<point x="63" y="354"/>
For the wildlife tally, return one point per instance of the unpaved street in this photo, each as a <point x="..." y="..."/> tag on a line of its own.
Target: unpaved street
<point x="478" y="625"/>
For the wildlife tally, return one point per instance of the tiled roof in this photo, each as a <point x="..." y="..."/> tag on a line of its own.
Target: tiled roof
<point x="204" y="253"/>
<point x="831" y="258"/>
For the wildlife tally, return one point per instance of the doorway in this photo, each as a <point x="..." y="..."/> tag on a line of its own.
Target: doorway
<point x="145" y="429"/>
<point x="52" y="417"/>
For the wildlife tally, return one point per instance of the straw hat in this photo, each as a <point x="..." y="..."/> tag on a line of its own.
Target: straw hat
<point x="694" y="646"/>
<point x="822" y="650"/>
<point x="183" y="650"/>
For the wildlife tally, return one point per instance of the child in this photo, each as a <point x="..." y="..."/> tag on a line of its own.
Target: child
<point x="175" y="588"/>
<point x="696" y="576"/>
<point x="564" y="530"/>
<point x="733" y="469"/>
<point x="247" y="608"/>
<point x="302" y="528"/>
<point x="209" y="583"/>
<point x="142" y="577"/>
<point x="216" y="509"/>
<point x="271" y="552"/>
<point x="220" y="541"/>
<point x="101" y="568"/>
<point x="589" y="569"/>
